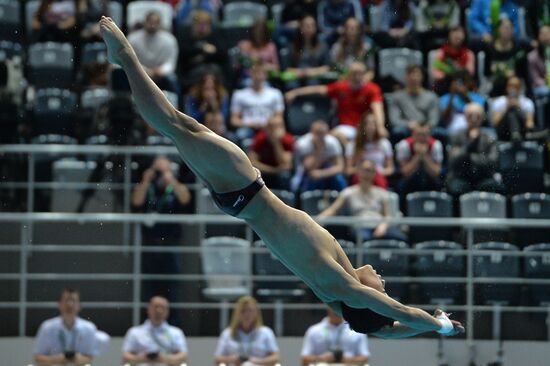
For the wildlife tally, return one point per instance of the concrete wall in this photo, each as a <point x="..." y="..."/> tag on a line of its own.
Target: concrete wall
<point x="18" y="352"/>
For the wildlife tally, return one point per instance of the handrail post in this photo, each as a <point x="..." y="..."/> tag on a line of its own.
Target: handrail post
<point x="470" y="294"/>
<point x="136" y="293"/>
<point x="127" y="198"/>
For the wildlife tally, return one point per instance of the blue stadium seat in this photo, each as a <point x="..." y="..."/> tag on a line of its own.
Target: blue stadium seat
<point x="531" y="206"/>
<point x="313" y="202"/>
<point x="496" y="264"/>
<point x="538" y="266"/>
<point x="51" y="65"/>
<point x="488" y="205"/>
<point x="10" y="20"/>
<point x="305" y="110"/>
<point x="54" y="112"/>
<point x="388" y="262"/>
<point x="94" y="53"/>
<point x="394" y="61"/>
<point x="10" y="50"/>
<point x="440" y="264"/>
<point x="522" y="167"/>
<point x="429" y="204"/>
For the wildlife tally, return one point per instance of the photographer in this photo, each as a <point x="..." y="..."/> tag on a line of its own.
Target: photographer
<point x="332" y="341"/>
<point x="513" y="114"/>
<point x="155" y="341"/>
<point x="160" y="192"/>
<point x="67" y="339"/>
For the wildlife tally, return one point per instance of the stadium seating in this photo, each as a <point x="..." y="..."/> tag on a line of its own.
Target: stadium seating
<point x="51" y="65"/>
<point x="305" y="110"/>
<point x="243" y="13"/>
<point x="137" y="10"/>
<point x="10" y="26"/>
<point x="394" y="61"/>
<point x="94" y="52"/>
<point x="286" y="196"/>
<point x="522" y="167"/>
<point x="313" y="202"/>
<point x="496" y="264"/>
<point x="440" y="264"/>
<point x="537" y="265"/>
<point x="531" y="206"/>
<point x="429" y="204"/>
<point x="10" y="50"/>
<point x="388" y="262"/>
<point x="54" y="112"/>
<point x="485" y="205"/>
<point x="31" y="7"/>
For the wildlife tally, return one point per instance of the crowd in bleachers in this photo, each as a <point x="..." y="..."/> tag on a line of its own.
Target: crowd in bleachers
<point x="439" y="95"/>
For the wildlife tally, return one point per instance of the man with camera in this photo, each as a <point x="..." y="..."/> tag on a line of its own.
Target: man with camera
<point x="332" y="341"/>
<point x="155" y="341"/>
<point x="66" y="339"/>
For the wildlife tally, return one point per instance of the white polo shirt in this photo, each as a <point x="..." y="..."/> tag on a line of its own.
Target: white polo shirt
<point x="324" y="337"/>
<point x="54" y="338"/>
<point x="146" y="338"/>
<point x="260" y="342"/>
<point x="257" y="107"/>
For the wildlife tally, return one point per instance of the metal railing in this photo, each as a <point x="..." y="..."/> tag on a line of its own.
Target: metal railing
<point x="132" y="223"/>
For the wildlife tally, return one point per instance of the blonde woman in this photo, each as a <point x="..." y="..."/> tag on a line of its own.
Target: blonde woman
<point x="247" y="340"/>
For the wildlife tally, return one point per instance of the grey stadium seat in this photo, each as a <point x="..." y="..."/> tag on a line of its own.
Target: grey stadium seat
<point x="305" y="110"/>
<point x="389" y="262"/>
<point x="429" y="204"/>
<point x="313" y="202"/>
<point x="137" y="10"/>
<point x="394" y="61"/>
<point x="54" y="112"/>
<point x="10" y="50"/>
<point x="10" y="20"/>
<point x="206" y="206"/>
<point x="488" y="205"/>
<point x="496" y="264"/>
<point x="522" y="167"/>
<point x="531" y="206"/>
<point x="51" y="65"/>
<point x="538" y="266"/>
<point x="440" y="264"/>
<point x="94" y="52"/>
<point x="31" y="7"/>
<point x="243" y="13"/>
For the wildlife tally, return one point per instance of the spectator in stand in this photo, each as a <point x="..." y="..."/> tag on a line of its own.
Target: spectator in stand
<point x="291" y="18"/>
<point x="332" y="341"/>
<point x="67" y="338"/>
<point x="369" y="144"/>
<point x="538" y="14"/>
<point x="354" y="97"/>
<point x="505" y="57"/>
<point x="485" y="17"/>
<point x="320" y="161"/>
<point x="160" y="192"/>
<point x="412" y="105"/>
<point x="451" y="105"/>
<point x="201" y="49"/>
<point x="186" y="9"/>
<point x="435" y="19"/>
<point x="539" y="64"/>
<point x="89" y="13"/>
<point x="513" y="114"/>
<point x="258" y="47"/>
<point x="208" y="94"/>
<point x="473" y="157"/>
<point x="367" y="201"/>
<point x="157" y="51"/>
<point x="252" y="107"/>
<point x="451" y="58"/>
<point x="247" y="340"/>
<point x="352" y="46"/>
<point x="271" y="153"/>
<point x="55" y="21"/>
<point x="332" y="14"/>
<point x="420" y="158"/>
<point x="308" y="56"/>
<point x="155" y="341"/>
<point x="214" y="120"/>
<point x="397" y="28"/>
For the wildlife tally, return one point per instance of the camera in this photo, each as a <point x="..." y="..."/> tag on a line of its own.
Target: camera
<point x="69" y="355"/>
<point x="338" y="354"/>
<point x="152" y="355"/>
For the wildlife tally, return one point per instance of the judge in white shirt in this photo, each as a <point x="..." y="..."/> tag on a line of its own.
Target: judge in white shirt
<point x="155" y="342"/>
<point x="332" y="340"/>
<point x="67" y="339"/>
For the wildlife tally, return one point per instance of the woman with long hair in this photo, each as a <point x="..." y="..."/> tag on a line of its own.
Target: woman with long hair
<point x="308" y="56"/>
<point x="56" y="21"/>
<point x="208" y="94"/>
<point x="369" y="144"/>
<point x="397" y="25"/>
<point x="352" y="46"/>
<point x="246" y="338"/>
<point x="259" y="46"/>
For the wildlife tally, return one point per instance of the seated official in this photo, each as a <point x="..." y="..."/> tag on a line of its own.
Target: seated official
<point x="155" y="342"/>
<point x="67" y="338"/>
<point x="332" y="341"/>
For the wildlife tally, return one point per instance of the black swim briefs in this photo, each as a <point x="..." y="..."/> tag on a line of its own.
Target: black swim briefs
<point x="364" y="320"/>
<point x="232" y="203"/>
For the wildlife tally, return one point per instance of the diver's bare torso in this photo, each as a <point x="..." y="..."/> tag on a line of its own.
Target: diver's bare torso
<point x="305" y="247"/>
